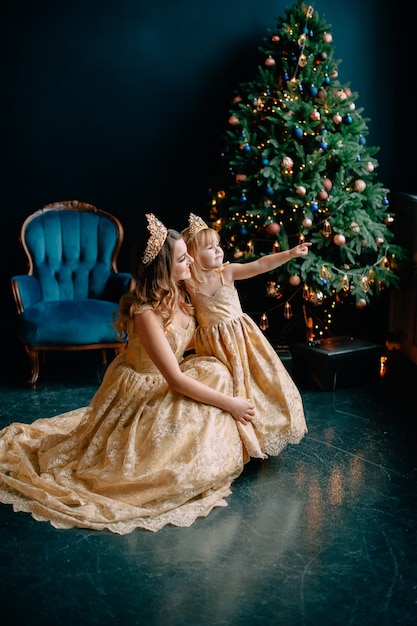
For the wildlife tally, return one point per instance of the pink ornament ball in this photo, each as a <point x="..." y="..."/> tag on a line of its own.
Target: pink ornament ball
<point x="300" y="190"/>
<point x="270" y="61"/>
<point x="307" y="222"/>
<point x="327" y="184"/>
<point x="238" y="254"/>
<point x="361" y="303"/>
<point x="322" y="195"/>
<point x="234" y="120"/>
<point x="327" y="38"/>
<point x="337" y="119"/>
<point x="273" y="228"/>
<point x="339" y="239"/>
<point x="294" y="280"/>
<point x="359" y="185"/>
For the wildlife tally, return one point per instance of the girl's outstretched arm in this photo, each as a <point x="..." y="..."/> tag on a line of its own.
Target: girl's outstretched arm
<point x="240" y="271"/>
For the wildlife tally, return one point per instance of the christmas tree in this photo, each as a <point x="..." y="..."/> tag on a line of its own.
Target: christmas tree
<point x="296" y="166"/>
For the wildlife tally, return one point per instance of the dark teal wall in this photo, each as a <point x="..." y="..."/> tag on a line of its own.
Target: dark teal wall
<point x="123" y="103"/>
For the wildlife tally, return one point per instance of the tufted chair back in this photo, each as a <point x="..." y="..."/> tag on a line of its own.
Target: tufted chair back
<point x="68" y="297"/>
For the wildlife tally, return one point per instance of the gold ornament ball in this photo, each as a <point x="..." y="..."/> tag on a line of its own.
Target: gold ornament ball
<point x="294" y="280"/>
<point x="339" y="239"/>
<point x="287" y="163"/>
<point x="379" y="241"/>
<point x="389" y="219"/>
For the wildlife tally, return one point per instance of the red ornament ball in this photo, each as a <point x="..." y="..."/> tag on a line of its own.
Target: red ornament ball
<point x="322" y="195"/>
<point x="272" y="228"/>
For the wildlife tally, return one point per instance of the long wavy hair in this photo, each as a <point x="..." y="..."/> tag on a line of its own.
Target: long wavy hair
<point x="154" y="284"/>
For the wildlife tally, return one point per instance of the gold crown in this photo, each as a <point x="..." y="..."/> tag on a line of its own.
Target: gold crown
<point x="156" y="240"/>
<point x="195" y="224"/>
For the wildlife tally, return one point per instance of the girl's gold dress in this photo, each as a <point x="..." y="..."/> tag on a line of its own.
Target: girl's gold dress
<point x="232" y="336"/>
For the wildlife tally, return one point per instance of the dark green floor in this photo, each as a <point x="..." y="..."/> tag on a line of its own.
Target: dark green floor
<point x="324" y="534"/>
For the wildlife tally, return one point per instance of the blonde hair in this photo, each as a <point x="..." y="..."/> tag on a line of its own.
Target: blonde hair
<point x="202" y="238"/>
<point x="154" y="285"/>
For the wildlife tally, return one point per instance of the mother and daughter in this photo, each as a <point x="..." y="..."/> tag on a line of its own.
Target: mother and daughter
<point x="164" y="436"/>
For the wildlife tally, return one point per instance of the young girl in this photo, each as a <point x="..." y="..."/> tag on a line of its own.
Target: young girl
<point x="159" y="442"/>
<point x="227" y="333"/>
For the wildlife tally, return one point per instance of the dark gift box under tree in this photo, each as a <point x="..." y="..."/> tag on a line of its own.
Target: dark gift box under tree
<point x="336" y="362"/>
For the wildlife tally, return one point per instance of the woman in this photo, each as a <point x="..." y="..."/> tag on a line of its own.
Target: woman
<point x="159" y="442"/>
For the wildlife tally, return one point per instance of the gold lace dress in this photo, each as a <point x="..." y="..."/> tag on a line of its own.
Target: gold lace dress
<point x="227" y="333"/>
<point x="139" y="456"/>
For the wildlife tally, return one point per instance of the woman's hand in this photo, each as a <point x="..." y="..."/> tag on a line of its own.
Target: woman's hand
<point x="242" y="409"/>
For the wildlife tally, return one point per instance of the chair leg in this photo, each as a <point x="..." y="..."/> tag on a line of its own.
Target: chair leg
<point x="34" y="366"/>
<point x="104" y="356"/>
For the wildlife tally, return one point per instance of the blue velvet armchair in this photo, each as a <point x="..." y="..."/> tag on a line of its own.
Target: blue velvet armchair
<point x="69" y="296"/>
